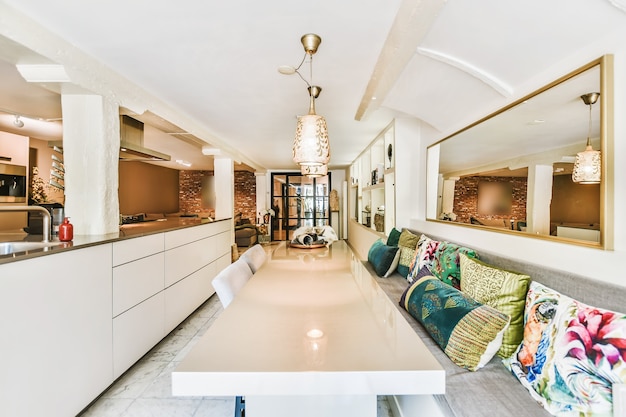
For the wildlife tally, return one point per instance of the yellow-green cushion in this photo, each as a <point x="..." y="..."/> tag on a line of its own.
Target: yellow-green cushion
<point x="503" y="290"/>
<point x="407" y="244"/>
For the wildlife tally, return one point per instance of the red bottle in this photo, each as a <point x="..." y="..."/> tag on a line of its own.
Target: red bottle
<point x="66" y="230"/>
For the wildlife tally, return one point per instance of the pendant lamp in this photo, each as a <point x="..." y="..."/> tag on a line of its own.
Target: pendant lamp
<point x="587" y="166"/>
<point x="311" y="147"/>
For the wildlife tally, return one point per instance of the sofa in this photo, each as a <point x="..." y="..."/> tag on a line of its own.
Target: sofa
<point x="246" y="233"/>
<point x="493" y="389"/>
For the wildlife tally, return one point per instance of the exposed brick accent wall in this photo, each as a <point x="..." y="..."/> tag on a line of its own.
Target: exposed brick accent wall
<point x="190" y="191"/>
<point x="190" y="194"/>
<point x="245" y="195"/>
<point x="466" y="198"/>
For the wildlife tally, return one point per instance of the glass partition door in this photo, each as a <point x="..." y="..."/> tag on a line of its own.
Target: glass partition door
<point x="298" y="201"/>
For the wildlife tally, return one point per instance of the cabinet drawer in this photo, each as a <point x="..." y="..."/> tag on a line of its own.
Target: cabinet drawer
<point x="185" y="260"/>
<point x="180" y="237"/>
<point x="182" y="298"/>
<point x="222" y="243"/>
<point x="136" y="281"/>
<point x="136" y="248"/>
<point x="136" y="331"/>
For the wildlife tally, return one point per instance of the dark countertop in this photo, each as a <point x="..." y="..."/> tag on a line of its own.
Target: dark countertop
<point x="126" y="231"/>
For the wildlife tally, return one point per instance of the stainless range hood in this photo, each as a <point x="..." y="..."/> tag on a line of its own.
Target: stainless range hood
<point x="131" y="142"/>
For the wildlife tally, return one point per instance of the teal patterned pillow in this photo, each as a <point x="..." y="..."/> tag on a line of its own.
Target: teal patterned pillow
<point x="447" y="264"/>
<point x="571" y="354"/>
<point x="469" y="332"/>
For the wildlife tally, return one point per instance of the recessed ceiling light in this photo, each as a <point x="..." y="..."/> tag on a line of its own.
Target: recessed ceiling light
<point x="208" y="150"/>
<point x="183" y="163"/>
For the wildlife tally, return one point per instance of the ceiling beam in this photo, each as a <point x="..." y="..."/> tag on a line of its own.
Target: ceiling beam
<point x="410" y="27"/>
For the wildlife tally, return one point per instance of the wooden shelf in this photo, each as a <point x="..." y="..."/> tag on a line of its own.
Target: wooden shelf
<point x="378" y="186"/>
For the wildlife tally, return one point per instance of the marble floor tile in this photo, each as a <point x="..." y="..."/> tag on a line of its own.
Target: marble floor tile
<point x="135" y="380"/>
<point x="150" y="407"/>
<point x="216" y="407"/>
<point x="109" y="407"/>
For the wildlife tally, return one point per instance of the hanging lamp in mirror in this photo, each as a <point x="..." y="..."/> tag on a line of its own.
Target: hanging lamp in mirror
<point x="587" y="166"/>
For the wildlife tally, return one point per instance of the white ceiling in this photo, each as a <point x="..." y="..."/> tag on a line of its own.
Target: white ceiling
<point x="215" y="63"/>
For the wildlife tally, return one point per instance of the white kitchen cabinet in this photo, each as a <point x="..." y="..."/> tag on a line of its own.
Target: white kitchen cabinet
<point x="138" y="299"/>
<point x="136" y="331"/>
<point x="187" y="235"/>
<point x="132" y="249"/>
<point x="74" y="321"/>
<point x="191" y="267"/>
<point x="55" y="316"/>
<point x="182" y="298"/>
<point x="182" y="261"/>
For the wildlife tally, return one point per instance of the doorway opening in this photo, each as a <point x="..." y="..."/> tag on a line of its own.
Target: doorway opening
<point x="298" y="201"/>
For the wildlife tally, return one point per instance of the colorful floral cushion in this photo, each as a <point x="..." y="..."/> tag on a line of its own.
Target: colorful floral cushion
<point x="424" y="256"/>
<point x="571" y="354"/>
<point x="383" y="258"/>
<point x="394" y="237"/>
<point x="503" y="290"/>
<point x="446" y="265"/>
<point x="469" y="332"/>
<point x="407" y="244"/>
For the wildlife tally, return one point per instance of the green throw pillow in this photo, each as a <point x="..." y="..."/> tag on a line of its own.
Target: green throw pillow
<point x="394" y="237"/>
<point x="383" y="258"/>
<point x="446" y="265"/>
<point x="469" y="332"/>
<point x="407" y="244"/>
<point x="503" y="290"/>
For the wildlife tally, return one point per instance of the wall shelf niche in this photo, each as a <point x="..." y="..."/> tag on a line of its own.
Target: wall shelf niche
<point x="372" y="191"/>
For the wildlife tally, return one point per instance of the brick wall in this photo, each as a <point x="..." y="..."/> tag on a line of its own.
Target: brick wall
<point x="190" y="191"/>
<point x="190" y="194"/>
<point x="466" y="198"/>
<point x="245" y="195"/>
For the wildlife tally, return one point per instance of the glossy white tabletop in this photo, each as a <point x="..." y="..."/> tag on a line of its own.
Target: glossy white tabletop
<point x="310" y="322"/>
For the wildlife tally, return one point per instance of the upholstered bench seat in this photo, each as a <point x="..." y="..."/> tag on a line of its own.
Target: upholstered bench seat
<point x="493" y="390"/>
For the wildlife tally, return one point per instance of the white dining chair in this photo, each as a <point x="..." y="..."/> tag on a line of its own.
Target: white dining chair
<point x="255" y="257"/>
<point x="230" y="280"/>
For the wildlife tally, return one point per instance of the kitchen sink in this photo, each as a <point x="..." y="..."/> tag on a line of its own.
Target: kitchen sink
<point x="7" y="248"/>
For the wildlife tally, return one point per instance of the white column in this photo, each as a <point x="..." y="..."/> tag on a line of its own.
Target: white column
<point x="262" y="193"/>
<point x="91" y="141"/>
<point x="224" y="172"/>
<point x="539" y="198"/>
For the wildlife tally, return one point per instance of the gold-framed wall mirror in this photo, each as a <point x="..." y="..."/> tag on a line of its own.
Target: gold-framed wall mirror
<point x="511" y="171"/>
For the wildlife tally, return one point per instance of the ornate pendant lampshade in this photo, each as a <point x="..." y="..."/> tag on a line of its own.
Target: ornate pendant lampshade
<point x="587" y="166"/>
<point x="311" y="148"/>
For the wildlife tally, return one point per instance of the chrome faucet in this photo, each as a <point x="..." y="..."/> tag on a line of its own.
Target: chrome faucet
<point x="46" y="217"/>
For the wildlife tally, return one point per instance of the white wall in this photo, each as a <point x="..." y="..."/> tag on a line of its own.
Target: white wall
<point x="603" y="265"/>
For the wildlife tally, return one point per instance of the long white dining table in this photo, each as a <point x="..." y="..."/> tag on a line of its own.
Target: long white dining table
<point x="311" y="334"/>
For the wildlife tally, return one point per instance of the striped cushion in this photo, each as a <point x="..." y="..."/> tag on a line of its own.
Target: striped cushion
<point x="501" y="289"/>
<point x="469" y="332"/>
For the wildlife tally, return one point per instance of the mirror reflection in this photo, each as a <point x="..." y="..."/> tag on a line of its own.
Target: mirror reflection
<point x="512" y="171"/>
